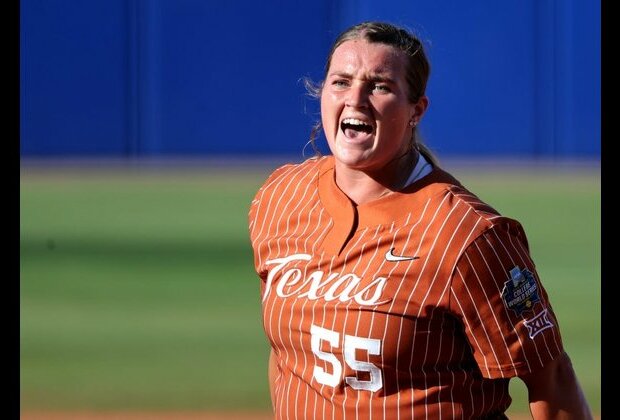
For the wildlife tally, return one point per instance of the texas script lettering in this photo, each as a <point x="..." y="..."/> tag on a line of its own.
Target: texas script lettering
<point x="319" y="285"/>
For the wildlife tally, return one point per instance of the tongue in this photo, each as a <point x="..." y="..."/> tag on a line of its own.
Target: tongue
<point x="352" y="133"/>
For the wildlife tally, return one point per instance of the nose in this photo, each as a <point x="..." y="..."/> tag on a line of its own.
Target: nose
<point x="357" y="96"/>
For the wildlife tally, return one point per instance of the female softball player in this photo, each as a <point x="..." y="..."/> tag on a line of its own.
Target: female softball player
<point x="390" y="291"/>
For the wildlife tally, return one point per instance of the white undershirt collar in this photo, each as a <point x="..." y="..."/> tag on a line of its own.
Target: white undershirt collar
<point x="421" y="169"/>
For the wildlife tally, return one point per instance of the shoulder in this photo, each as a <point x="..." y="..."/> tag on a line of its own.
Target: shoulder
<point x="462" y="196"/>
<point x="285" y="183"/>
<point x="455" y="194"/>
<point x="479" y="218"/>
<point x="290" y="174"/>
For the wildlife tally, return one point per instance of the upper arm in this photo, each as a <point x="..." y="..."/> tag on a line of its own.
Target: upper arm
<point x="505" y="311"/>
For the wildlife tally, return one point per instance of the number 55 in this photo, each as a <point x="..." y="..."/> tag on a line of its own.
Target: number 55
<point x="351" y="343"/>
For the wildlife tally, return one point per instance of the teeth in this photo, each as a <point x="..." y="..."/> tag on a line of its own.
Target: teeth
<point x="353" y="121"/>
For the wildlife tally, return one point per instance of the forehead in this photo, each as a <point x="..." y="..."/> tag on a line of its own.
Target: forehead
<point x="358" y="55"/>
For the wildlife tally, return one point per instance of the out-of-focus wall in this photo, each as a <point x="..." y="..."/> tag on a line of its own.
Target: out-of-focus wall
<point x="150" y="78"/>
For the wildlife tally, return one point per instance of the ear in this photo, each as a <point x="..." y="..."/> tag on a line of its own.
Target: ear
<point x="418" y="109"/>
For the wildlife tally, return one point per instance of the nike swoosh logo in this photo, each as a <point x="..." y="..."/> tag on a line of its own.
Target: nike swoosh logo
<point x="389" y="256"/>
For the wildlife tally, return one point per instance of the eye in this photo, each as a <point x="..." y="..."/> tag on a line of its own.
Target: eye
<point x="381" y="88"/>
<point x="340" y="83"/>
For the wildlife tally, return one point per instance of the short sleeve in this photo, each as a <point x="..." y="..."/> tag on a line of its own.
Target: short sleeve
<point x="497" y="294"/>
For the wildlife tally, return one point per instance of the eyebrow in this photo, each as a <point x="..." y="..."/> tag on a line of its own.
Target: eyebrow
<point x="374" y="78"/>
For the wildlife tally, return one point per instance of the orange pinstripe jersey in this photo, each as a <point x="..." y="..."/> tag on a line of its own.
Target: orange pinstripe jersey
<point x="422" y="303"/>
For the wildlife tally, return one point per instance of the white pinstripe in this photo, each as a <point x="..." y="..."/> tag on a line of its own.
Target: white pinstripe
<point x="277" y="226"/>
<point x="344" y="264"/>
<point x="447" y="246"/>
<point x="514" y="263"/>
<point x="357" y="324"/>
<point x="305" y="301"/>
<point x="277" y="381"/>
<point x="410" y="297"/>
<point x="331" y="265"/>
<point x="288" y="386"/>
<point x="483" y="327"/>
<point x="302" y="311"/>
<point x="275" y="183"/>
<point x="458" y="302"/>
<point x="499" y="291"/>
<point x="370" y="260"/>
<point x="421" y="240"/>
<point x="314" y="411"/>
<point x="402" y="281"/>
<point x="291" y="212"/>
<point x="525" y="261"/>
<point x="475" y="272"/>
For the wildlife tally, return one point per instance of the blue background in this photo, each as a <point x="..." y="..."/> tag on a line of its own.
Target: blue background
<point x="144" y="78"/>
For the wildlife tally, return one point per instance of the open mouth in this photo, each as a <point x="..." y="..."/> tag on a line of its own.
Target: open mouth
<point x="352" y="127"/>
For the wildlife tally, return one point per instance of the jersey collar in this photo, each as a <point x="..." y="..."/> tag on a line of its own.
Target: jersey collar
<point x="393" y="208"/>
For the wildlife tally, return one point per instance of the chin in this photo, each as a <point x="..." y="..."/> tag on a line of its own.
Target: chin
<point x="356" y="151"/>
<point x="353" y="161"/>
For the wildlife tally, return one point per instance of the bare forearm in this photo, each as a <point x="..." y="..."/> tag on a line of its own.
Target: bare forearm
<point x="555" y="393"/>
<point x="561" y="410"/>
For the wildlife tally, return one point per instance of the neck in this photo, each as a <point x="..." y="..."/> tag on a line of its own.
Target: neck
<point x="362" y="186"/>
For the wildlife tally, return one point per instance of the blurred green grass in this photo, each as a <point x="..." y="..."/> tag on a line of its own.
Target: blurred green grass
<point x="137" y="289"/>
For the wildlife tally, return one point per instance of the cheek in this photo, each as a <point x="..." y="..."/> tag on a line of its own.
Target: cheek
<point x="395" y="127"/>
<point x="329" y="116"/>
<point x="323" y="107"/>
<point x="397" y="115"/>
